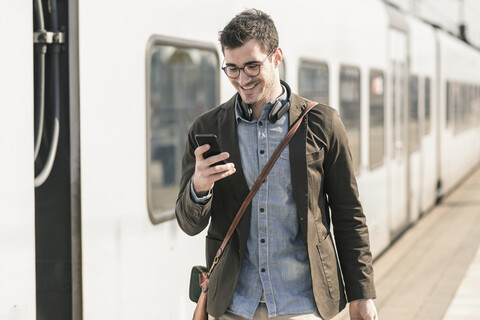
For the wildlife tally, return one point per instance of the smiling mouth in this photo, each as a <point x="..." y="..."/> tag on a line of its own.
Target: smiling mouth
<point x="245" y="88"/>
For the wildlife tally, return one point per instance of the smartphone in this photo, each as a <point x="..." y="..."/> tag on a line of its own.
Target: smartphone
<point x="212" y="140"/>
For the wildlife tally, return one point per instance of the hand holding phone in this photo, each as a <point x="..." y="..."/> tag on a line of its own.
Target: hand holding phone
<point x="212" y="140"/>
<point x="206" y="172"/>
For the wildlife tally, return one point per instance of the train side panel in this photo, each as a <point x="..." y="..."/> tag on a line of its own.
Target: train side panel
<point x="17" y="216"/>
<point x="132" y="269"/>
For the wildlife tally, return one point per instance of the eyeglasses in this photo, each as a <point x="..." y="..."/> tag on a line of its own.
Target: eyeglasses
<point x="251" y="70"/>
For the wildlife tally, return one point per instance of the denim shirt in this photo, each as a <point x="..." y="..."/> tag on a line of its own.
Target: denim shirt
<point x="276" y="269"/>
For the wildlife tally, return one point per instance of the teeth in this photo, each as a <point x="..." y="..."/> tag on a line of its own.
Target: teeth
<point x="248" y="88"/>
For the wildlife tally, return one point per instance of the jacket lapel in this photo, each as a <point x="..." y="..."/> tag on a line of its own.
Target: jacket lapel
<point x="298" y="166"/>
<point x="228" y="138"/>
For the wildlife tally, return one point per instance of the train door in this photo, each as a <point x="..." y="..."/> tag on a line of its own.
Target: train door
<point x="397" y="182"/>
<point x="57" y="187"/>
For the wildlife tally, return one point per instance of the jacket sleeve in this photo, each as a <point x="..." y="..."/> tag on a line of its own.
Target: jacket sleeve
<point x="349" y="222"/>
<point x="192" y="217"/>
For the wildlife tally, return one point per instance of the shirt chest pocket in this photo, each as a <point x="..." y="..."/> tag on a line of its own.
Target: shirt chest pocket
<point x="281" y="169"/>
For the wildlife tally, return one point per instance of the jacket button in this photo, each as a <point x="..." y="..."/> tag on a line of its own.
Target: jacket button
<point x="262" y="210"/>
<point x="262" y="241"/>
<point x="263" y="270"/>
<point x="262" y="151"/>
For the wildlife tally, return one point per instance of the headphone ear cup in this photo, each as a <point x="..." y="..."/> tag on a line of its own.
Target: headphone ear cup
<point x="273" y="114"/>
<point x="278" y="110"/>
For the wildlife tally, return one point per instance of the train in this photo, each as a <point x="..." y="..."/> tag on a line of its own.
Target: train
<point x="96" y="98"/>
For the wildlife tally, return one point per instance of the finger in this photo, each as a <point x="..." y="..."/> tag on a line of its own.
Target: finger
<point x="370" y="316"/>
<point x="217" y="158"/>
<point x="223" y="174"/>
<point x="200" y="151"/>
<point x="215" y="173"/>
<point x="206" y="176"/>
<point x="213" y="170"/>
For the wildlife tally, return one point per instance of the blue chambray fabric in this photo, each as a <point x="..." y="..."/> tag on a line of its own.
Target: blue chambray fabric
<point x="276" y="269"/>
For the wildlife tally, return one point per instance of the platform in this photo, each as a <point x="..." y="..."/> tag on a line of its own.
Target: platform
<point x="433" y="270"/>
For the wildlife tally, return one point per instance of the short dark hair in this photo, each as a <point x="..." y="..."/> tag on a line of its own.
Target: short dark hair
<point x="247" y="25"/>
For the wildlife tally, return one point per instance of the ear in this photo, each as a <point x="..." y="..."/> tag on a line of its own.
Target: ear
<point x="277" y="57"/>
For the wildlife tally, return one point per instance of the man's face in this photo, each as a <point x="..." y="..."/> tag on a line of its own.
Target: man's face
<point x="259" y="89"/>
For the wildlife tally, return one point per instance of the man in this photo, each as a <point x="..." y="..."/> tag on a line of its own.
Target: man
<point x="281" y="262"/>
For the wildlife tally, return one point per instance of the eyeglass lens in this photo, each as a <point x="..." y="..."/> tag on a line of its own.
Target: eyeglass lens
<point x="252" y="70"/>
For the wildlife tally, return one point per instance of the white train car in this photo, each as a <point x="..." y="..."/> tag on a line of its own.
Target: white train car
<point x="459" y="109"/>
<point x="96" y="238"/>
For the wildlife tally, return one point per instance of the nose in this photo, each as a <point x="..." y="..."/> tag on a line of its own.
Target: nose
<point x="243" y="78"/>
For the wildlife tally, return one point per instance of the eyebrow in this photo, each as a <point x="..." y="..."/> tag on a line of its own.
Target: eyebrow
<point x="245" y="64"/>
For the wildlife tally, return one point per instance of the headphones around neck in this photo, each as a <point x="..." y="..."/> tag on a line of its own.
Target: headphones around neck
<point x="277" y="111"/>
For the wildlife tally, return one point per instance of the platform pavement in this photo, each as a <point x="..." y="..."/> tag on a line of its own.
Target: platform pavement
<point x="433" y="270"/>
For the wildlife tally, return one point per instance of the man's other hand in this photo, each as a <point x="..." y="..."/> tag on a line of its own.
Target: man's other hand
<point x="363" y="310"/>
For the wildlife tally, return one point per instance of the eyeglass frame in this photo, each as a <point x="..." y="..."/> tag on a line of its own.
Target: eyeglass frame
<point x="255" y="64"/>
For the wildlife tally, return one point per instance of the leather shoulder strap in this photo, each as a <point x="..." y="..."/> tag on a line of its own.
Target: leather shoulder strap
<point x="258" y="183"/>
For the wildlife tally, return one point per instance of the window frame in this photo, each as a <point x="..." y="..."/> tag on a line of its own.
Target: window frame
<point x="157" y="217"/>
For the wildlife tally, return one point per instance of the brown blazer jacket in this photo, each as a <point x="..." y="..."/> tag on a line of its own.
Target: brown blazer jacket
<point x="321" y="165"/>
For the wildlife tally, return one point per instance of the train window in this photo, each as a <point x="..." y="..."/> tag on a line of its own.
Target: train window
<point x="394" y="103"/>
<point x="427" y="100"/>
<point x="449" y="103"/>
<point x="476" y="105"/>
<point x="471" y="109"/>
<point x="413" y="128"/>
<point x="458" y="107"/>
<point x="377" y="118"/>
<point x="313" y="81"/>
<point x="182" y="83"/>
<point x="462" y="109"/>
<point x="350" y="109"/>
<point x="470" y="112"/>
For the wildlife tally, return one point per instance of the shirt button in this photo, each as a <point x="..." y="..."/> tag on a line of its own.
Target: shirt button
<point x="262" y="241"/>
<point x="262" y="151"/>
<point x="263" y="270"/>
<point x="262" y="210"/>
<point x="260" y="123"/>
